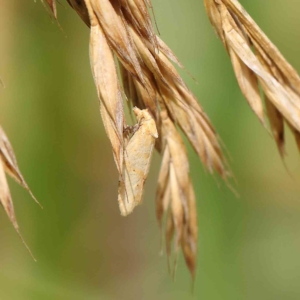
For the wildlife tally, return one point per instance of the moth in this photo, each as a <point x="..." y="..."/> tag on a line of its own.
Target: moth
<point x="137" y="157"/>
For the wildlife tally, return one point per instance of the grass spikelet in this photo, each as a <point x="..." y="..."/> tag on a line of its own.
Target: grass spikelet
<point x="111" y="103"/>
<point x="175" y="194"/>
<point x="152" y="84"/>
<point x="257" y="63"/>
<point x="8" y="164"/>
<point x="80" y="7"/>
<point x="52" y="5"/>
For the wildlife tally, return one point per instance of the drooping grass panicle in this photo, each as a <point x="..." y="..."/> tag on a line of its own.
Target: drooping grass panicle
<point x="123" y="30"/>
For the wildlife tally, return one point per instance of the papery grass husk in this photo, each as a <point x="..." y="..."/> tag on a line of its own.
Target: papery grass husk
<point x="9" y="165"/>
<point x="175" y="196"/>
<point x="258" y="65"/>
<point x="52" y="6"/>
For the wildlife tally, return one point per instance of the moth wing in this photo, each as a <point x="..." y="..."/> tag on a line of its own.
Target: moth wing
<point x="137" y="158"/>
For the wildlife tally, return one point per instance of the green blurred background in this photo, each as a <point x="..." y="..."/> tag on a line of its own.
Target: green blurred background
<point x="248" y="247"/>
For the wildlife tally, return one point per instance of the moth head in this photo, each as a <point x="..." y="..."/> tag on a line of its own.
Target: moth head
<point x="144" y="117"/>
<point x="142" y="114"/>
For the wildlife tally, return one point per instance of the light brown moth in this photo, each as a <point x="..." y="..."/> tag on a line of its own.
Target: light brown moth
<point x="137" y="157"/>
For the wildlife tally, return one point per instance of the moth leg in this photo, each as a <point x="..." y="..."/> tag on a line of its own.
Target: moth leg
<point x="130" y="130"/>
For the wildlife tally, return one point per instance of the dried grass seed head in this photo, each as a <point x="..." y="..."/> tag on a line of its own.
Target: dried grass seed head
<point x="150" y="81"/>
<point x="258" y="63"/>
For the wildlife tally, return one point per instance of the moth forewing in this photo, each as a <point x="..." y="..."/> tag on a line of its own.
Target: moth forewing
<point x="137" y="158"/>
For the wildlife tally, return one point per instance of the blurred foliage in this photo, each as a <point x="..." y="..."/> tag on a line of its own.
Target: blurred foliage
<point x="248" y="246"/>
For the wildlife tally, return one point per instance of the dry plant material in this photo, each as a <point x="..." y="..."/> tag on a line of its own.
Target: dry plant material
<point x="52" y="5"/>
<point x="137" y="158"/>
<point x="175" y="197"/>
<point x="8" y="164"/>
<point x="257" y="63"/>
<point x="80" y="8"/>
<point x="122" y="31"/>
